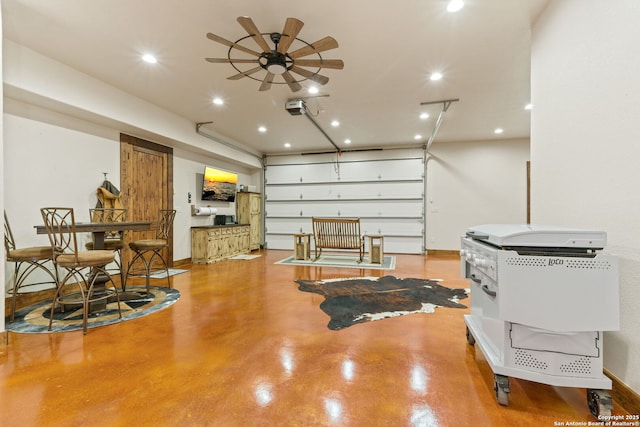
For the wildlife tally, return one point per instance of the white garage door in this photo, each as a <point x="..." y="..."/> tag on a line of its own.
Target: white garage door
<point x="385" y="192"/>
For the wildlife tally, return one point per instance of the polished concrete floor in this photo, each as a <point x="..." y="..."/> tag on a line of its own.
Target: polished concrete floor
<point x="244" y="347"/>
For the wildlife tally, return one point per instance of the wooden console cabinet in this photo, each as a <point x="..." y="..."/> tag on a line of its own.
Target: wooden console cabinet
<point x="213" y="243"/>
<point x="249" y="211"/>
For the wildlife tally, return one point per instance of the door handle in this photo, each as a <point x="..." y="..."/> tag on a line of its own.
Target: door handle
<point x="489" y="292"/>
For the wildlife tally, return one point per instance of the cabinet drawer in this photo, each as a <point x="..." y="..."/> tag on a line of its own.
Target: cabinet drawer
<point x="576" y="343"/>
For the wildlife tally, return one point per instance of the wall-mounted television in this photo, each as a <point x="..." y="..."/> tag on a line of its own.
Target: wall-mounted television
<point x="219" y="185"/>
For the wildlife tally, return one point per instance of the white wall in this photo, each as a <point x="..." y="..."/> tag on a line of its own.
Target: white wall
<point x="585" y="143"/>
<point x="472" y="183"/>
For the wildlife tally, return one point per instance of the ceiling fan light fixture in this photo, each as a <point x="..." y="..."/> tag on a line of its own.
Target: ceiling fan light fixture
<point x="276" y="68"/>
<point x="273" y="62"/>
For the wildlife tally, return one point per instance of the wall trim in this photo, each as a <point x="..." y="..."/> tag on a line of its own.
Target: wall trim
<point x="4" y="341"/>
<point x="624" y="395"/>
<point x="442" y="252"/>
<point x="181" y="262"/>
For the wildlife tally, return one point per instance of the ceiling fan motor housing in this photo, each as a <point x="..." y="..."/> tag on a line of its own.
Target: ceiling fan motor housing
<point x="274" y="62"/>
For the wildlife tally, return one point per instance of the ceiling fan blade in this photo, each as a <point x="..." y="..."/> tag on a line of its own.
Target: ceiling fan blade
<point x="293" y="84"/>
<point x="231" y="61"/>
<point x="226" y="42"/>
<point x="289" y="33"/>
<point x="310" y="75"/>
<point x="266" y="83"/>
<point x="317" y="47"/>
<point x="249" y="26"/>
<point x="244" y="73"/>
<point x="336" y="64"/>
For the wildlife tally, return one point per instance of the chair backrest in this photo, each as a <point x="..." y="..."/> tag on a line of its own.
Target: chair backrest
<point x="109" y="215"/>
<point x="165" y="223"/>
<point x="337" y="233"/>
<point x="60" y="224"/>
<point x="9" y="242"/>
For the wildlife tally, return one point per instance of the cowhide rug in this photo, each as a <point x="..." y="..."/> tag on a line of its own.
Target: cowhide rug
<point x="365" y="299"/>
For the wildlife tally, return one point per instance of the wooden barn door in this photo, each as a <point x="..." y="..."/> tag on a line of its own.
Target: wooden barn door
<point x="146" y="180"/>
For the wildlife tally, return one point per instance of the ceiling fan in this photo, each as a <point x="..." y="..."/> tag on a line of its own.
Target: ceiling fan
<point x="276" y="60"/>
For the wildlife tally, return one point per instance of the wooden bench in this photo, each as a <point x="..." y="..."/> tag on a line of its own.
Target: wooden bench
<point x="337" y="233"/>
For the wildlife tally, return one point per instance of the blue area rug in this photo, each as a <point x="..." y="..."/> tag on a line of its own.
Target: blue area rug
<point x="35" y="318"/>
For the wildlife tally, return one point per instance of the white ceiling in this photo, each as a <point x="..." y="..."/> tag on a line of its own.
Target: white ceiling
<point x="389" y="50"/>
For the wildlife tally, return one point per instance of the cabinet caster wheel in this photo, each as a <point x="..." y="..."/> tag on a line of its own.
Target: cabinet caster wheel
<point x="600" y="403"/>
<point x="501" y="387"/>
<point x="470" y="339"/>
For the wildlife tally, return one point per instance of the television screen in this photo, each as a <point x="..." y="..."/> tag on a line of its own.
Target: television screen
<point x="219" y="185"/>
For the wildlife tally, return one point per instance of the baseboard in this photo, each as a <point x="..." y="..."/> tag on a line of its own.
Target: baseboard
<point x="4" y="341"/>
<point x="181" y="262"/>
<point x="442" y="252"/>
<point x="623" y="395"/>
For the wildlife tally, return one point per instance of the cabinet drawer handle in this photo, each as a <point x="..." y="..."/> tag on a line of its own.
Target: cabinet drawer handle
<point x="476" y="279"/>
<point x="486" y="290"/>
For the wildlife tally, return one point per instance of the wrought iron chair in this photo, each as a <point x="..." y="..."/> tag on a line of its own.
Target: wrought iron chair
<point x="27" y="261"/>
<point x="147" y="251"/>
<point x="84" y="268"/>
<point x="113" y="240"/>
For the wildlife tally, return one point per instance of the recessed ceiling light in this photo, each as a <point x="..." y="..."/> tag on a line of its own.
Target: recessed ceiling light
<point x="424" y="116"/>
<point x="313" y="89"/>
<point x="418" y="136"/>
<point x="218" y="101"/>
<point x="347" y="141"/>
<point x="147" y="57"/>
<point x="287" y="145"/>
<point x="335" y="123"/>
<point x="455" y="5"/>
<point x="498" y="130"/>
<point x="435" y="76"/>
<point x="262" y="129"/>
<point x="528" y="106"/>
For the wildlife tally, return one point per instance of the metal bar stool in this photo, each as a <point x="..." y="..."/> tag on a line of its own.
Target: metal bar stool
<point x="84" y="268"/>
<point x="34" y="258"/>
<point x="113" y="240"/>
<point x="149" y="250"/>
